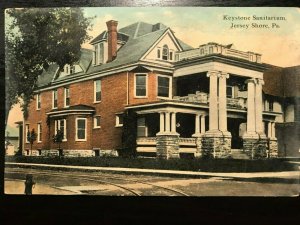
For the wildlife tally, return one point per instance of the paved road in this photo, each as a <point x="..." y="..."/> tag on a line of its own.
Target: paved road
<point x="99" y="183"/>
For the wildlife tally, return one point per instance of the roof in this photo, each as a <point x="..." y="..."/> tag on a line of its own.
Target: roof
<point x="139" y="38"/>
<point x="103" y="36"/>
<point x="79" y="107"/>
<point x="282" y="82"/>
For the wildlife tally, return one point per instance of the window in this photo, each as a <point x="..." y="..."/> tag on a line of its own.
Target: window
<point x="62" y="126"/>
<point x="97" y="123"/>
<point x="97" y="91"/>
<point x="38" y="101"/>
<point x="158" y="53"/>
<point x="67" y="97"/>
<point x="171" y="55"/>
<point x="81" y="129"/>
<point x="163" y="86"/>
<point x="271" y="105"/>
<point x="141" y="127"/>
<point x="202" y="51"/>
<point x="54" y="102"/>
<point x="99" y="54"/>
<point x="140" y="85"/>
<point x="95" y="54"/>
<point x="229" y="92"/>
<point x="119" y="120"/>
<point x="72" y="69"/>
<point x="165" y="52"/>
<point x="39" y="137"/>
<point x="26" y="132"/>
<point x="210" y="50"/>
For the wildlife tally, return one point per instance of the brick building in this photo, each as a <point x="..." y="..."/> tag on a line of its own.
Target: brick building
<point x="143" y="88"/>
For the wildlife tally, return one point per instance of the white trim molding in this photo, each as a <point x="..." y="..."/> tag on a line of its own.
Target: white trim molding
<point x="146" y="85"/>
<point x="76" y="129"/>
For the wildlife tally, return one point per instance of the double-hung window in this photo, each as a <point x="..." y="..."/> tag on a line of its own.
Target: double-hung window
<point x="54" y="101"/>
<point x="141" y="127"/>
<point x="39" y="133"/>
<point x="163" y="86"/>
<point x="119" y="120"/>
<point x="97" y="121"/>
<point x="62" y="126"/>
<point x="80" y="129"/>
<point x="140" y="85"/>
<point x="26" y="132"/>
<point x="67" y="97"/>
<point x="38" y="101"/>
<point x="165" y="52"/>
<point x="97" y="90"/>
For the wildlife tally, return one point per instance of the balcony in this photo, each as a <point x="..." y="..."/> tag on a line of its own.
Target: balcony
<point x="214" y="48"/>
<point x="202" y="97"/>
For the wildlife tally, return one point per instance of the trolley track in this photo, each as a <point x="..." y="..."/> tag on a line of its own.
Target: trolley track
<point x="99" y="178"/>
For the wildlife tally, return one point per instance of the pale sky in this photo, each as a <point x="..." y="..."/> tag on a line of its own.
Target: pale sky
<point x="200" y="25"/>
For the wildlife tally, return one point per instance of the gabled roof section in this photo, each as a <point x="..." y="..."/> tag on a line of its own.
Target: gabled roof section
<point x="103" y="36"/>
<point x="47" y="76"/>
<point x="86" y="58"/>
<point x="132" y="51"/>
<point x="282" y="82"/>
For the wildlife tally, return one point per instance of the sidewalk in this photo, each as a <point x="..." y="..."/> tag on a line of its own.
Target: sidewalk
<point x="285" y="174"/>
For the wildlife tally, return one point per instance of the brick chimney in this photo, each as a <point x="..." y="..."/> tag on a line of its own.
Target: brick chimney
<point x="112" y="39"/>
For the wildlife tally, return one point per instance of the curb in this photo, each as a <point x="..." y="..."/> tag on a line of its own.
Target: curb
<point x="170" y="173"/>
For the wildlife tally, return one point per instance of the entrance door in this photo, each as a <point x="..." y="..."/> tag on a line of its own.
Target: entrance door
<point x="234" y="125"/>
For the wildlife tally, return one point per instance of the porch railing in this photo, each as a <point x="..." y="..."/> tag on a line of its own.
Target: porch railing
<point x="146" y="141"/>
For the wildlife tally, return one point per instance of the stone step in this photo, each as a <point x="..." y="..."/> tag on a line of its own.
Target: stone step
<point x="238" y="154"/>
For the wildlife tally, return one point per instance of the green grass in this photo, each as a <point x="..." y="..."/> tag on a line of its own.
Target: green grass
<point x="205" y="165"/>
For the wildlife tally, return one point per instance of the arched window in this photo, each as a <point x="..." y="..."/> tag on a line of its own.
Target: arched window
<point x="165" y="52"/>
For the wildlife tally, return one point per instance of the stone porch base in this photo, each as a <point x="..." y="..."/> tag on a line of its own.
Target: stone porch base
<point x="216" y="145"/>
<point x="273" y="148"/>
<point x="167" y="146"/>
<point x="255" y="148"/>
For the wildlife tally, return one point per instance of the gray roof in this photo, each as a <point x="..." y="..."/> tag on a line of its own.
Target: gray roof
<point x="103" y="36"/>
<point x="140" y="37"/>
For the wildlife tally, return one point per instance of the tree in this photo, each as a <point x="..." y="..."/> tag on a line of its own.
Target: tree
<point x="58" y="138"/>
<point x="36" y="38"/>
<point x="31" y="137"/>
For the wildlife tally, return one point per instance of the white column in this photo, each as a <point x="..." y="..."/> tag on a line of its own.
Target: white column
<point x="273" y="130"/>
<point x="168" y="122"/>
<point x="197" y="124"/>
<point x="202" y="124"/>
<point x="222" y="102"/>
<point x="251" y="106"/>
<point x="269" y="129"/>
<point x="162" y="122"/>
<point x="173" y="122"/>
<point x="258" y="107"/>
<point x="213" y="100"/>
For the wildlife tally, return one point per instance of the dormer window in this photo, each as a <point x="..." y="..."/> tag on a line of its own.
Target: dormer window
<point x="72" y="69"/>
<point x="99" y="53"/>
<point x="165" y="52"/>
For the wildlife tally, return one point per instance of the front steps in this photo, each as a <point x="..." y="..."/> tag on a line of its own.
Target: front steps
<point x="239" y="154"/>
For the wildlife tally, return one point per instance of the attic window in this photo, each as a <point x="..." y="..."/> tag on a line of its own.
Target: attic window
<point x="158" y="53"/>
<point x="165" y="52"/>
<point x="99" y="54"/>
<point x="72" y="69"/>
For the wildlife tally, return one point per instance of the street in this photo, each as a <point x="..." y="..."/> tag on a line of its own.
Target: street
<point x="51" y="182"/>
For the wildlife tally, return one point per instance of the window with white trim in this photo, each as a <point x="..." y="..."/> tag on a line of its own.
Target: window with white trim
<point x="141" y="127"/>
<point x="54" y="99"/>
<point x="140" y="85"/>
<point x="97" y="121"/>
<point x="271" y="105"/>
<point x="119" y="120"/>
<point x="72" y="69"/>
<point x="98" y="53"/>
<point x="26" y="132"/>
<point x="67" y="97"/>
<point x="158" y="53"/>
<point x="163" y="86"/>
<point x="97" y="90"/>
<point x="80" y="129"/>
<point x="165" y="52"/>
<point x="38" y="101"/>
<point x="62" y="126"/>
<point x="171" y="55"/>
<point x="39" y="133"/>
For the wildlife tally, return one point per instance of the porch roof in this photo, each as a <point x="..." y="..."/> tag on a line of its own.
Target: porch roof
<point x="75" y="109"/>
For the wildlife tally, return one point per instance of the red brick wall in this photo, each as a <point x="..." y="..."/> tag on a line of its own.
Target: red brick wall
<point x="113" y="100"/>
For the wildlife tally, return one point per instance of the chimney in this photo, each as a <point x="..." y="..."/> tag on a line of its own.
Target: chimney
<point x="112" y="39"/>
